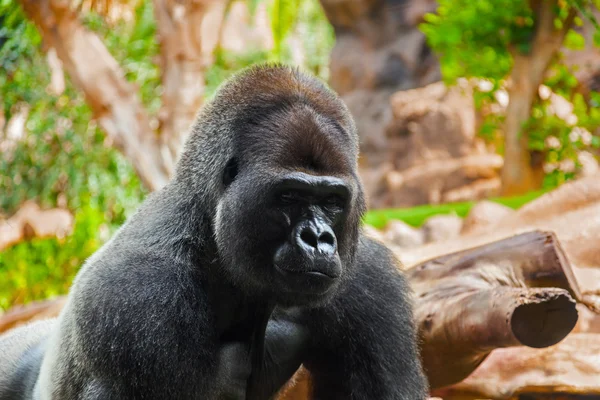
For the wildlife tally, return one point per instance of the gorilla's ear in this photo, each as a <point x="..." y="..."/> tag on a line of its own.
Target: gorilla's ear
<point x="230" y="172"/>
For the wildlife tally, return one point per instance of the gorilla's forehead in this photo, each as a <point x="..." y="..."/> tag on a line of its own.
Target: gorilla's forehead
<point x="297" y="137"/>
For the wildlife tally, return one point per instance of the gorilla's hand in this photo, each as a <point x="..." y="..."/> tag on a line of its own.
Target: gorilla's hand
<point x="286" y="342"/>
<point x="234" y="370"/>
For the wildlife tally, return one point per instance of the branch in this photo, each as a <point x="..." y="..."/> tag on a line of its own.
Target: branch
<point x="31" y="221"/>
<point x="187" y="35"/>
<point x="572" y="212"/>
<point x="95" y="72"/>
<point x="20" y="315"/>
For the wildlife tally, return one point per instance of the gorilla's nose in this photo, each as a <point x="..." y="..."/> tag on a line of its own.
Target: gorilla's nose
<point x="315" y="236"/>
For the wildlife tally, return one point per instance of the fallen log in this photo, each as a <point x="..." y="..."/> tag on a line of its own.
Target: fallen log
<point x="35" y="311"/>
<point x="566" y="371"/>
<point x="572" y="211"/>
<point x="516" y="291"/>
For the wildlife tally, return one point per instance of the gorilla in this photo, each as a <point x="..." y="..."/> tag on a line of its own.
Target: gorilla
<point x="248" y="264"/>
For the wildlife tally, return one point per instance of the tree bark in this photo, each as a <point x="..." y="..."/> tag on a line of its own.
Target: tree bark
<point x="31" y="221"/>
<point x="188" y="32"/>
<point x="517" y="291"/>
<point x="567" y="371"/>
<point x="112" y="99"/>
<point x="518" y="174"/>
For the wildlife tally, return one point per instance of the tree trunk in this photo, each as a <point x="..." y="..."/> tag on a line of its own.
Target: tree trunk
<point x="188" y="33"/>
<point x="519" y="175"/>
<point x="94" y="71"/>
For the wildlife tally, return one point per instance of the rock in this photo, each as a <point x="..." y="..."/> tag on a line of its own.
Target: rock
<point x="484" y="214"/>
<point x="430" y="135"/>
<point x="435" y="122"/>
<point x="379" y="50"/>
<point x="441" y="227"/>
<point x="383" y="68"/>
<point x="479" y="189"/>
<point x="374" y="233"/>
<point x="403" y="235"/>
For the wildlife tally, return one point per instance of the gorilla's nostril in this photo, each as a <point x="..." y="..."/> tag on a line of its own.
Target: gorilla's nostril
<point x="327" y="237"/>
<point x="309" y="237"/>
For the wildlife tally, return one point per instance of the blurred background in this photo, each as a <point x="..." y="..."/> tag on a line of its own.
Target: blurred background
<point x="466" y="111"/>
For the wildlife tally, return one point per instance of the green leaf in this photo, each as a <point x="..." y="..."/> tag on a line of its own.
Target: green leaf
<point x="252" y="7"/>
<point x="574" y="40"/>
<point x="596" y="38"/>
<point x="283" y="15"/>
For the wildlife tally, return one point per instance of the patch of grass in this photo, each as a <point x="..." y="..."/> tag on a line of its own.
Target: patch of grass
<point x="416" y="216"/>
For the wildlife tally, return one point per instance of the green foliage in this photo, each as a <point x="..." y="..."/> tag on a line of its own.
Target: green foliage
<point x="135" y="47"/>
<point x="308" y="22"/>
<point x="283" y="15"/>
<point x="12" y="28"/>
<point x="563" y="140"/>
<point x="317" y="37"/>
<point x="473" y="37"/>
<point x="574" y="40"/>
<point x="476" y="39"/>
<point x="307" y="19"/>
<point x="43" y="268"/>
<point x="62" y="160"/>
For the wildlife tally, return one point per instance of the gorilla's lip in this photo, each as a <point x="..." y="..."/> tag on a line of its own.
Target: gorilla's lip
<point x="319" y="274"/>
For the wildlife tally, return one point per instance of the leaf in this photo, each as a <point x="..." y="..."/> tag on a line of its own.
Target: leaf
<point x="574" y="40"/>
<point x="283" y="15"/>
<point x="597" y="38"/>
<point x="253" y="7"/>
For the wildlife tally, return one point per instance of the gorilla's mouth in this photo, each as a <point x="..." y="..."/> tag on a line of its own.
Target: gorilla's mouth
<point x="317" y="281"/>
<point x="315" y="273"/>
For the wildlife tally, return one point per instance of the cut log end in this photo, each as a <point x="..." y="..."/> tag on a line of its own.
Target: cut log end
<point x="545" y="317"/>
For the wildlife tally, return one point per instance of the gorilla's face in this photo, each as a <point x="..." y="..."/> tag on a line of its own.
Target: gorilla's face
<point x="285" y="229"/>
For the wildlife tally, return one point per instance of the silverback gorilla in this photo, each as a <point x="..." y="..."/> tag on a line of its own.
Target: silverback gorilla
<point x="248" y="264"/>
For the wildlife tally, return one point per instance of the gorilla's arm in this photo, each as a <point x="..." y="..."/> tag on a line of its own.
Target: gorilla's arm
<point x="364" y="341"/>
<point x="22" y="351"/>
<point x="285" y="342"/>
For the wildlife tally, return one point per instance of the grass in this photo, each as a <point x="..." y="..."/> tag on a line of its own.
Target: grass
<point x="415" y="216"/>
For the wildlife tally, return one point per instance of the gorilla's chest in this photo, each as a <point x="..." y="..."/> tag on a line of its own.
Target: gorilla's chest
<point x="256" y="361"/>
<point x="234" y="369"/>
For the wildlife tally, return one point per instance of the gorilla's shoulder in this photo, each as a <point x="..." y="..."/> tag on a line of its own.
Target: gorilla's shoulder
<point x="378" y="269"/>
<point x="137" y="279"/>
<point x="375" y="254"/>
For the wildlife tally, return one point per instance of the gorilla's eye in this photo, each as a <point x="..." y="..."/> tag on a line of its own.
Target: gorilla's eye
<point x="288" y="197"/>
<point x="334" y="201"/>
<point x="230" y="172"/>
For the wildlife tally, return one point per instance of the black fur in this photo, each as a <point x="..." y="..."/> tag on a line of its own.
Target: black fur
<point x="247" y="264"/>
